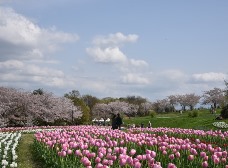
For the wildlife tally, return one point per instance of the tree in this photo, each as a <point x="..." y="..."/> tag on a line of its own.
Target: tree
<point x="135" y="100"/>
<point x="183" y="101"/>
<point x="145" y="108"/>
<point x="38" y="91"/>
<point x="74" y="95"/>
<point x="20" y="108"/>
<point x="90" y="101"/>
<point x="226" y="89"/>
<point x="214" y="97"/>
<point x="173" y="100"/>
<point x="101" y="110"/>
<point x="192" y="100"/>
<point x="161" y="105"/>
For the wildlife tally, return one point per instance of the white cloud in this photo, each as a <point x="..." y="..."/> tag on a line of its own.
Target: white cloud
<point x="114" y="39"/>
<point x="138" y="63"/>
<point x="107" y="55"/>
<point x="173" y="75"/>
<point x="22" y="39"/>
<point x="209" y="77"/>
<point x="131" y="78"/>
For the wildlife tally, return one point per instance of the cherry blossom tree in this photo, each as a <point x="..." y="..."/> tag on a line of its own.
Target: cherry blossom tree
<point x="214" y="97"/>
<point x="21" y="108"/>
<point x="144" y="108"/>
<point x="161" y="105"/>
<point x="173" y="100"/>
<point x="101" y="110"/>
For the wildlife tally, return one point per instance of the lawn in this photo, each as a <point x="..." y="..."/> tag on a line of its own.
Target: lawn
<point x="204" y="120"/>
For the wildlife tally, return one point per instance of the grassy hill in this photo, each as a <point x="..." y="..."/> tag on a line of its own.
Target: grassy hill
<point x="204" y="120"/>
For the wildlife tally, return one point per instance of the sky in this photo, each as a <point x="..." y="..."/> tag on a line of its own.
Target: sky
<point x="120" y="48"/>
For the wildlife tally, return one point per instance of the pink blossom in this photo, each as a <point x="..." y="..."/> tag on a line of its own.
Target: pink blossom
<point x="204" y="164"/>
<point x="171" y="156"/>
<point x="191" y="157"/>
<point x="97" y="160"/>
<point x="123" y="162"/>
<point x="132" y="152"/>
<point x="137" y="165"/>
<point x="171" y="165"/>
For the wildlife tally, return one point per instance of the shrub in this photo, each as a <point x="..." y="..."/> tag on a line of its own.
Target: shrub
<point x="193" y="114"/>
<point x="224" y="112"/>
<point x="152" y="114"/>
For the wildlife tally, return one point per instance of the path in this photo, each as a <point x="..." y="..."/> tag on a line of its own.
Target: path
<point x="25" y="157"/>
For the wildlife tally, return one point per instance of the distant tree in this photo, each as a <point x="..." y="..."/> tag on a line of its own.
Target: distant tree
<point x="90" y="101"/>
<point x="161" y="105"/>
<point x="226" y="89"/>
<point x="101" y="110"/>
<point x="192" y="100"/>
<point x="135" y="100"/>
<point x="20" y="108"/>
<point x="173" y="100"/>
<point x="120" y="107"/>
<point x="183" y="101"/>
<point x="214" y="97"/>
<point x="73" y="94"/>
<point x="145" y="109"/>
<point x="38" y="91"/>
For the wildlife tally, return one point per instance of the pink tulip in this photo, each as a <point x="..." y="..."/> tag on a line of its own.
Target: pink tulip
<point x="177" y="154"/>
<point x="85" y="161"/>
<point x="139" y="157"/>
<point x="132" y="152"/>
<point x="171" y="156"/>
<point x="153" y="154"/>
<point x="137" y="165"/>
<point x="191" y="157"/>
<point x="171" y="165"/>
<point x="203" y="154"/>
<point x="97" y="160"/>
<point x="204" y="164"/>
<point x="216" y="160"/>
<point x="224" y="153"/>
<point x="123" y="162"/>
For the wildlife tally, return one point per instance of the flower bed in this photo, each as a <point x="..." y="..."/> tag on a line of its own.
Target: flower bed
<point x="8" y="145"/>
<point x="220" y="124"/>
<point x="100" y="147"/>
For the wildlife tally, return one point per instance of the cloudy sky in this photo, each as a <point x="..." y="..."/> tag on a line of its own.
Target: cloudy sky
<point x="115" y="48"/>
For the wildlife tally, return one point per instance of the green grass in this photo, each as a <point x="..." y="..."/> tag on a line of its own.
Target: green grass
<point x="203" y="121"/>
<point x="25" y="153"/>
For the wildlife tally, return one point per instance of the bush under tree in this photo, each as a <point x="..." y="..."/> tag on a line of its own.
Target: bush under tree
<point x="224" y="112"/>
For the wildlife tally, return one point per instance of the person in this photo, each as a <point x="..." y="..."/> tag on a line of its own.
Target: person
<point x="114" y="126"/>
<point x="149" y="124"/>
<point x="119" y="121"/>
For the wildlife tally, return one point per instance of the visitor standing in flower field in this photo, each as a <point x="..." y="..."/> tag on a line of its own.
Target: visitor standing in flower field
<point x="149" y="124"/>
<point x="119" y="121"/>
<point x="114" y="125"/>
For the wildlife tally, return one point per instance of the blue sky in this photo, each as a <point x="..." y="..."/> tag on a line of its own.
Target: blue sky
<point x="115" y="48"/>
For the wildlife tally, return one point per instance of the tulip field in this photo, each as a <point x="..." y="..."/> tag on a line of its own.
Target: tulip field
<point x="8" y="145"/>
<point x="102" y="147"/>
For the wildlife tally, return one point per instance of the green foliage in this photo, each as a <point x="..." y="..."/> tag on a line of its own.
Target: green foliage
<point x="85" y="111"/>
<point x="152" y="114"/>
<point x="224" y="112"/>
<point x="193" y="114"/>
